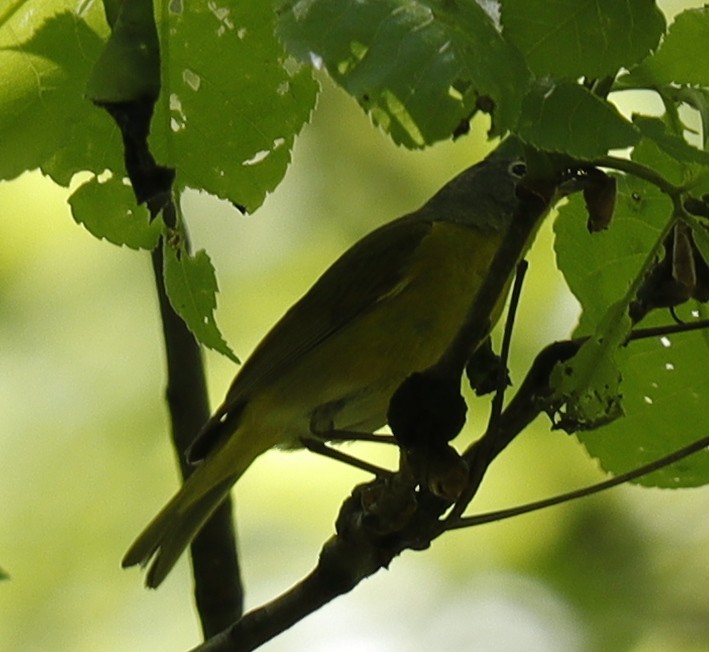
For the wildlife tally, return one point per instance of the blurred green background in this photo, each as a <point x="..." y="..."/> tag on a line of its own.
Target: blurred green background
<point x="85" y="461"/>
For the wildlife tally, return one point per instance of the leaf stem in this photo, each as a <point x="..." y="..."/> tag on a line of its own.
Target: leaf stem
<point x="638" y="170"/>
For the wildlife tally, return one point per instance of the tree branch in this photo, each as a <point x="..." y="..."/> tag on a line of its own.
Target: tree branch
<point x="218" y="588"/>
<point x="365" y="542"/>
<point x="381" y="519"/>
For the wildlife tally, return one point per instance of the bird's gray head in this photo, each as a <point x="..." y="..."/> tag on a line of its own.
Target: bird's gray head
<point x="484" y="194"/>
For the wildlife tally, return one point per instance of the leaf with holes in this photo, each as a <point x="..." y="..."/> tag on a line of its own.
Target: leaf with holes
<point x="587" y="390"/>
<point x="665" y="384"/>
<point x="229" y="129"/>
<point x="419" y="68"/>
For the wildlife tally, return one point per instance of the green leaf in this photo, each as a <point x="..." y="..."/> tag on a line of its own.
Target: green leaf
<point x="191" y="286"/>
<point x="600" y="267"/>
<point x="45" y="120"/>
<point x="656" y="158"/>
<point x="677" y="147"/>
<point x="664" y="379"/>
<point x="665" y="388"/>
<point x="587" y="388"/>
<point x="696" y="98"/>
<point x="232" y="101"/>
<point x="129" y="66"/>
<point x="228" y="129"/>
<point x="108" y="210"/>
<point x="568" y="118"/>
<point x="418" y="67"/>
<point x="575" y="38"/>
<point x="3" y="575"/>
<point x="682" y="56"/>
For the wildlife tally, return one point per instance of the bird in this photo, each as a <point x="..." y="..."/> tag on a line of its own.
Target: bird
<point x="386" y="308"/>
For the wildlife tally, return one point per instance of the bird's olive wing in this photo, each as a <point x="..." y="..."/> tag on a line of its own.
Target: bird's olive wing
<point x="363" y="276"/>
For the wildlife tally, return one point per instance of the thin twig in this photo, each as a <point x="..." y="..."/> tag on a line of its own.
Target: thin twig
<point x="670" y="329"/>
<point x="502" y="514"/>
<point x="637" y="170"/>
<point x="499" y="398"/>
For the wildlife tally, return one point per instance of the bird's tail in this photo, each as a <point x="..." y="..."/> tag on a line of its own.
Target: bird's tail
<point x="170" y="532"/>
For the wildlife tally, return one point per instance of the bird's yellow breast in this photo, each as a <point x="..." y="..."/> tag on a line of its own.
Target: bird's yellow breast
<point x="347" y="380"/>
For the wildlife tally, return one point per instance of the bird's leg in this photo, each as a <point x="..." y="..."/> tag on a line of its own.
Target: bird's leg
<point x="319" y="447"/>
<point x="322" y="428"/>
<point x="352" y="435"/>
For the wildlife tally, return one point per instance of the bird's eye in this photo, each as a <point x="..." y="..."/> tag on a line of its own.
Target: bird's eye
<point x="517" y="169"/>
